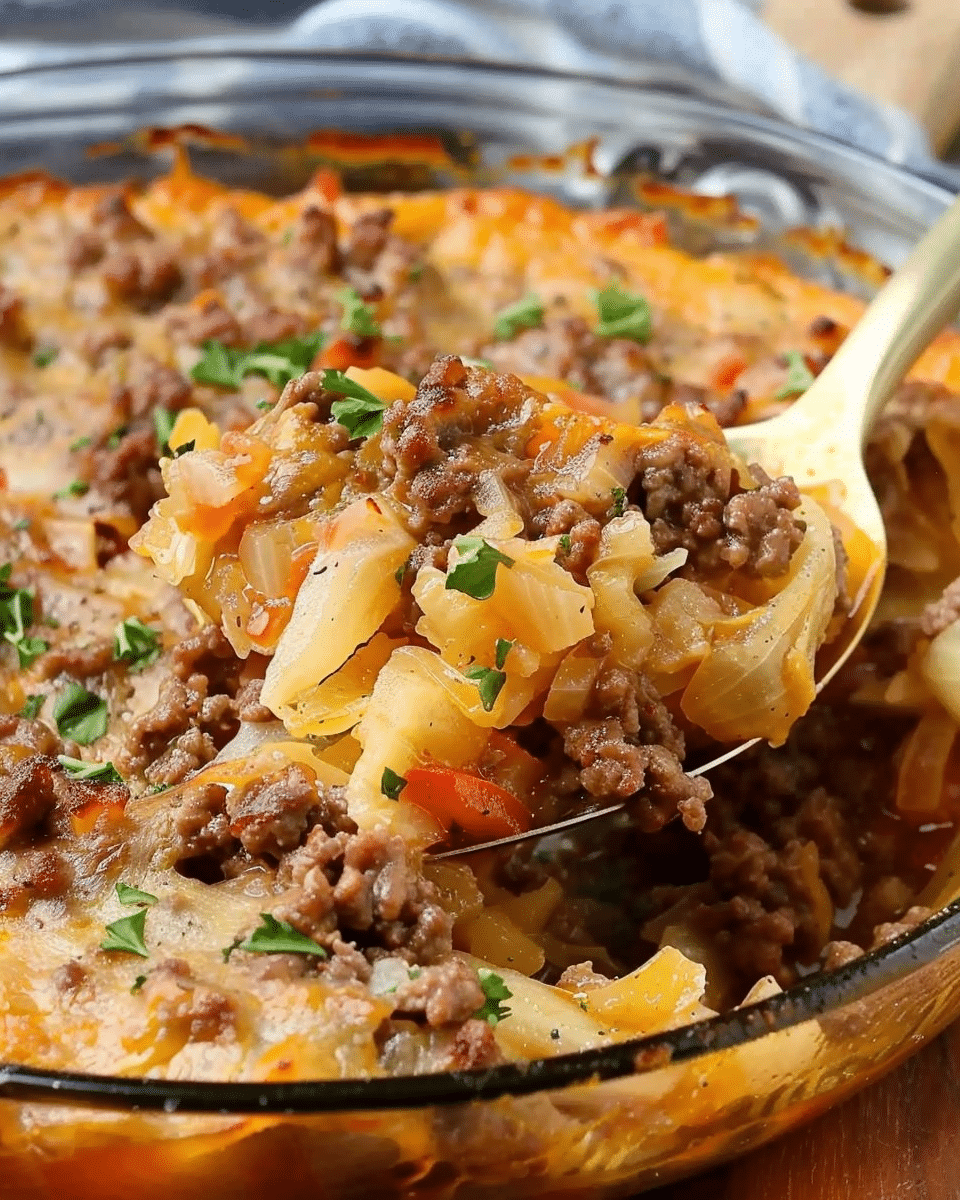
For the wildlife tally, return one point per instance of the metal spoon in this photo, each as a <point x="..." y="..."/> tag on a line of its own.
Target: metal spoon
<point x="819" y="441"/>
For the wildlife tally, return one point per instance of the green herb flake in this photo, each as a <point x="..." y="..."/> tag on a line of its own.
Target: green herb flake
<point x="502" y="649"/>
<point x="28" y="649"/>
<point x="32" y="706"/>
<point x="496" y="991"/>
<point x="525" y="314"/>
<point x="489" y="682"/>
<point x="265" y="405"/>
<point x="274" y="936"/>
<point x="279" y="362"/>
<point x="622" y="314"/>
<point x="415" y="273"/>
<point x="163" y="422"/>
<point x="16" y="617"/>
<point x="21" y="524"/>
<point x="44" y="356"/>
<point x="117" y="436"/>
<point x="80" y="444"/>
<point x="401" y="572"/>
<point x="185" y="448"/>
<point x="361" y="413"/>
<point x="137" y="984"/>
<point x="80" y="715"/>
<point x="78" y="487"/>
<point x="130" y="895"/>
<point x="126" y="934"/>
<point x="358" y="318"/>
<point x="392" y="784"/>
<point x="475" y="572"/>
<point x="89" y="772"/>
<point x="619" y="495"/>
<point x="799" y="376"/>
<point x="136" y="644"/>
<point x="565" y="543"/>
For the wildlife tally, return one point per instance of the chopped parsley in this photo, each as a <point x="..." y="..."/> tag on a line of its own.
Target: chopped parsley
<point x="799" y="376"/>
<point x="619" y="501"/>
<point x="80" y="444"/>
<point x="118" y="434"/>
<point x="274" y="936"/>
<point x="185" y="448"/>
<point x="565" y="543"/>
<point x="130" y="895"/>
<point x="475" y="573"/>
<point x="126" y="934"/>
<point x="489" y="682"/>
<point x="31" y="707"/>
<point x="622" y="314"/>
<point x="501" y="650"/>
<point x="163" y="421"/>
<point x="77" y="487"/>
<point x="401" y="571"/>
<point x="138" y="984"/>
<point x="392" y="784"/>
<point x="220" y="366"/>
<point x="136" y="644"/>
<point x="43" y="356"/>
<point x="361" y="413"/>
<point x="89" y="772"/>
<point x="80" y="715"/>
<point x="16" y="617"/>
<point x="524" y="314"/>
<point x="19" y="525"/>
<point x="358" y="318"/>
<point x="496" y="991"/>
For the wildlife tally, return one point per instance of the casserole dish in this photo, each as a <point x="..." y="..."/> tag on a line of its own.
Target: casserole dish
<point x="602" y="1122"/>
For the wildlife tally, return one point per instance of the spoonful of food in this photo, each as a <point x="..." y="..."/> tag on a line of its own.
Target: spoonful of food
<point x="819" y="442"/>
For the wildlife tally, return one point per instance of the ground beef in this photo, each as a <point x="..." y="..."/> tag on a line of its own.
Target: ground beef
<point x="313" y="242"/>
<point x="247" y="703"/>
<point x="447" y="994"/>
<point x="126" y="472"/>
<point x="943" y="612"/>
<point x="474" y="1047"/>
<point x="628" y="747"/>
<point x="184" y="755"/>
<point x="145" y="276"/>
<point x="363" y="888"/>
<point x="76" y="661"/>
<point x="567" y="518"/>
<point x="209" y="320"/>
<point x="692" y="503"/>
<point x="13" y="331"/>
<point x="367" y="238"/>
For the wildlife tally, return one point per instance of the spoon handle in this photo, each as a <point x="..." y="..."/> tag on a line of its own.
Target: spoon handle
<point x="916" y="303"/>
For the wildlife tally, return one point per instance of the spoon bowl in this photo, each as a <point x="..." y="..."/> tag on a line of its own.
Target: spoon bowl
<point x="819" y="442"/>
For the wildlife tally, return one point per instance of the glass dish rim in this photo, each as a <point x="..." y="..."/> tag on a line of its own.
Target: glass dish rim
<point x="808" y="999"/>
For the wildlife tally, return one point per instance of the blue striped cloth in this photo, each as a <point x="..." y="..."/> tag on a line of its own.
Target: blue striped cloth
<point x="724" y="41"/>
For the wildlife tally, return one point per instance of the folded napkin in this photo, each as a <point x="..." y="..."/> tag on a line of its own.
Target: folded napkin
<point x="723" y="42"/>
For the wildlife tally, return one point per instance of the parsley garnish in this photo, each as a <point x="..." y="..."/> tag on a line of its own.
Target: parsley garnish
<point x="185" y="448"/>
<point x="80" y="444"/>
<point x="16" y="617"/>
<point x="117" y="436"/>
<point x="44" y="356"/>
<point x="89" y="772"/>
<point x="392" y="784"/>
<point x="127" y="935"/>
<point x="138" y="984"/>
<point x="622" y="314"/>
<point x="565" y="543"/>
<point x="136" y="644"/>
<point x="80" y="715"/>
<point x="489" y="682"/>
<point x="21" y="524"/>
<point x="475" y="573"/>
<point x="502" y="649"/>
<point x="401" y="571"/>
<point x="78" y="487"/>
<point x="496" y="991"/>
<point x="32" y="706"/>
<point x="362" y="413"/>
<point x="358" y="318"/>
<point x="619" y="501"/>
<point x="163" y="421"/>
<point x="130" y="895"/>
<point x="799" y="376"/>
<point x="274" y="936"/>
<point x="525" y="314"/>
<point x="280" y="362"/>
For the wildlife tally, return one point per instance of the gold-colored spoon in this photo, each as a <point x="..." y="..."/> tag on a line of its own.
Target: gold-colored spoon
<point x="819" y="442"/>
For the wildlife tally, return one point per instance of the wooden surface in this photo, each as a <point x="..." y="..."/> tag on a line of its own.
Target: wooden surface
<point x="910" y="58"/>
<point x="899" y="1140"/>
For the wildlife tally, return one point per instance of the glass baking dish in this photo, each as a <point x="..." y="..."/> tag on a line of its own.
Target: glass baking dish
<point x="602" y="1123"/>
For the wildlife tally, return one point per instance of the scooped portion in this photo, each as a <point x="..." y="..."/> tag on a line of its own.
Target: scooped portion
<point x="490" y="608"/>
